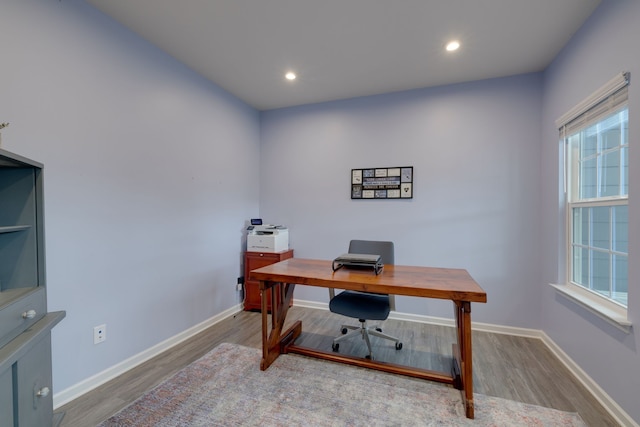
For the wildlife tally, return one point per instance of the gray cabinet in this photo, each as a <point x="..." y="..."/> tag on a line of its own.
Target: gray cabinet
<point x="26" y="394"/>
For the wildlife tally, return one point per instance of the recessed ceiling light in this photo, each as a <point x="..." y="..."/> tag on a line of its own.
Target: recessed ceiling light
<point x="290" y="75"/>
<point x="453" y="45"/>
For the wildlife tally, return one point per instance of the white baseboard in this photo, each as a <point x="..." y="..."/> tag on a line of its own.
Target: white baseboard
<point x="71" y="393"/>
<point x="77" y="390"/>
<point x="598" y="393"/>
<point x="441" y="321"/>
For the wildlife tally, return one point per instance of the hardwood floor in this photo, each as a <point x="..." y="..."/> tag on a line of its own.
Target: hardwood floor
<point x="515" y="368"/>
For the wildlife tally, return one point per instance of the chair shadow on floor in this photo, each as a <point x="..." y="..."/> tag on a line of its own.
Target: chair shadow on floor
<point x="423" y="358"/>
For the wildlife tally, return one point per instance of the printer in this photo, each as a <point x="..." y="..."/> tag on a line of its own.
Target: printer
<point x="267" y="238"/>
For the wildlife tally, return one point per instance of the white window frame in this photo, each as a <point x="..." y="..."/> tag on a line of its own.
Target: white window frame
<point x="608" y="309"/>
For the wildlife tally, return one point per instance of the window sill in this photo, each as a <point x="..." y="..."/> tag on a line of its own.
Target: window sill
<point x="592" y="303"/>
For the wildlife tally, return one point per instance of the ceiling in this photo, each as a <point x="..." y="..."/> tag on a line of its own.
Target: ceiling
<point x="348" y="48"/>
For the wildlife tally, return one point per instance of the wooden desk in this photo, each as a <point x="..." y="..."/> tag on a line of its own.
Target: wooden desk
<point x="443" y="283"/>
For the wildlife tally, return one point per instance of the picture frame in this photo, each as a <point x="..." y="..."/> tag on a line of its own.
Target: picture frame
<point x="394" y="183"/>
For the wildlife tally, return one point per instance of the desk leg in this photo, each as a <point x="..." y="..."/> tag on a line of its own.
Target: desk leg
<point x="274" y="341"/>
<point x="463" y="355"/>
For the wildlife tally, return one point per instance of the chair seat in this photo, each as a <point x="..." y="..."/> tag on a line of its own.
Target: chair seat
<point x="361" y="305"/>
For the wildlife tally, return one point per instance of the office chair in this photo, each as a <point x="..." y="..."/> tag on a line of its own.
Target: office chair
<point x="363" y="305"/>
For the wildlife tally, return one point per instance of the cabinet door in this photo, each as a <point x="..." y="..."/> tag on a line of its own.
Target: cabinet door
<point x="252" y="296"/>
<point x="35" y="397"/>
<point x="6" y="399"/>
<point x="19" y="265"/>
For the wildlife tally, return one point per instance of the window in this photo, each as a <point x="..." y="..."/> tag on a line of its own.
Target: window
<point x="597" y="191"/>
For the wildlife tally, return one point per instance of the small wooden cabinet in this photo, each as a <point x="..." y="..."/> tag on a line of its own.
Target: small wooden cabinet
<point x="253" y="260"/>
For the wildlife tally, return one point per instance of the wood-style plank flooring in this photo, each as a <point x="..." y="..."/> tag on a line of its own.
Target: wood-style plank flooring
<point x="510" y="367"/>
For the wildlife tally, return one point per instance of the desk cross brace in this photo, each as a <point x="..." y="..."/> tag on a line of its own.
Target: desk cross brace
<point x="276" y="341"/>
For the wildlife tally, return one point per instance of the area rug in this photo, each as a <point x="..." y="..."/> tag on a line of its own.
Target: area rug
<point x="226" y="388"/>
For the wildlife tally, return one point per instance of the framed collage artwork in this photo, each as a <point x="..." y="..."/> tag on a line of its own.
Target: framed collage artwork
<point x="382" y="183"/>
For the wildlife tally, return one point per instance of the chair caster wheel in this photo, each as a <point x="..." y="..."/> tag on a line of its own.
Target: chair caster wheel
<point x="379" y="329"/>
<point x="368" y="356"/>
<point x="335" y="346"/>
<point x="398" y="346"/>
<point x="344" y="331"/>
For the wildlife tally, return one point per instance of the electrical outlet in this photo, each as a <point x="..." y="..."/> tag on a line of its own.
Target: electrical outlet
<point x="99" y="334"/>
<point x="239" y="287"/>
<point x="239" y="283"/>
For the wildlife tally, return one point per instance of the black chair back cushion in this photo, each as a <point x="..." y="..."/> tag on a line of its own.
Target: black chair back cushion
<point x="362" y="305"/>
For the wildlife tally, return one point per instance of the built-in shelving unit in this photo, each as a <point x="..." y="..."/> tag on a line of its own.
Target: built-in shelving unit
<point x="26" y="395"/>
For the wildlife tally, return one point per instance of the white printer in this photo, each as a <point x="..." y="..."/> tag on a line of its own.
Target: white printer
<point x="267" y="238"/>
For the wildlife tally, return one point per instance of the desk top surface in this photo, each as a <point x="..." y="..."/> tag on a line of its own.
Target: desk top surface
<point x="429" y="282"/>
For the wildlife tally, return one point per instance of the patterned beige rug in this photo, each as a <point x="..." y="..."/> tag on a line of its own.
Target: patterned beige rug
<point x="226" y="388"/>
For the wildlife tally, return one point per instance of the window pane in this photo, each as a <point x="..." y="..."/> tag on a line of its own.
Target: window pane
<point x="588" y="178"/>
<point x="610" y="178"/>
<point x="611" y="132"/>
<point x="620" y="290"/>
<point x="624" y="124"/>
<point x="600" y="272"/>
<point x="581" y="266"/>
<point x="620" y="229"/>
<point x="589" y="145"/>
<point x="600" y="229"/>
<point x="581" y="226"/>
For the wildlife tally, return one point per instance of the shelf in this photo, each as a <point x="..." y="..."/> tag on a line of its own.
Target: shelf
<point x="14" y="228"/>
<point x="8" y="296"/>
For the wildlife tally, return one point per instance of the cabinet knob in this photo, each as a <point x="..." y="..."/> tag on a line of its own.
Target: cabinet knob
<point x="43" y="392"/>
<point x="29" y="314"/>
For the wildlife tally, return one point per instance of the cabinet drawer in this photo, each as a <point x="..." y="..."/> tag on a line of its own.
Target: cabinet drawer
<point x="252" y="261"/>
<point x="21" y="313"/>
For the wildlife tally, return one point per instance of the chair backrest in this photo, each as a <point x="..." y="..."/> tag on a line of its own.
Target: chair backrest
<point x="373" y="247"/>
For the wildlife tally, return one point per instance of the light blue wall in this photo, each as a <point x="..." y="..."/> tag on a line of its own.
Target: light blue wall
<point x="150" y="174"/>
<point x="606" y="45"/>
<point x="475" y="149"/>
